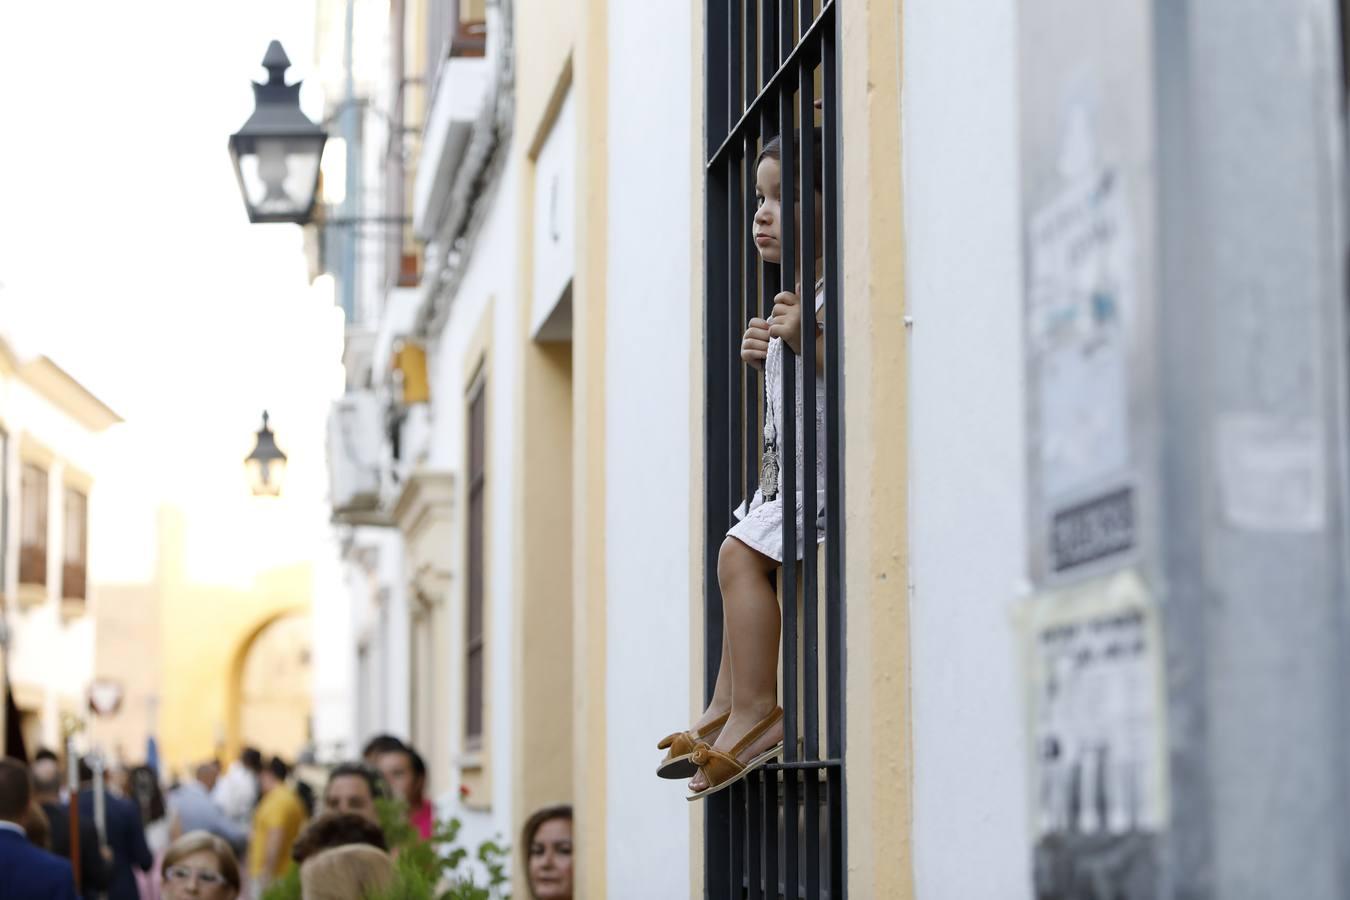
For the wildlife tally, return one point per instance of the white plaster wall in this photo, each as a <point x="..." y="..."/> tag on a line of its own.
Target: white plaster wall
<point x="967" y="496"/>
<point x="334" y="654"/>
<point x="647" y="443"/>
<point x="487" y="289"/>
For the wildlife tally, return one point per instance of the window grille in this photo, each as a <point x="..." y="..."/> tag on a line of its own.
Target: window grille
<point x="473" y="637"/>
<point x="780" y="833"/>
<point x="33" y="531"/>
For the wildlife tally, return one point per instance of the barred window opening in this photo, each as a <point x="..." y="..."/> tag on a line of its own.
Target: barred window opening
<point x="780" y="832"/>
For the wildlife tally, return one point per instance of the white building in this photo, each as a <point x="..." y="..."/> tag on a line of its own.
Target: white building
<point x="50" y="435"/>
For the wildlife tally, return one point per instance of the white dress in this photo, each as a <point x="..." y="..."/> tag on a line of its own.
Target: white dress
<point x="761" y="526"/>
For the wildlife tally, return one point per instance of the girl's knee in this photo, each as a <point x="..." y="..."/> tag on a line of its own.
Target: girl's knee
<point x="735" y="559"/>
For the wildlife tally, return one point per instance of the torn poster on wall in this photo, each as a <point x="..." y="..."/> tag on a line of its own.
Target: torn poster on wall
<point x="1094" y="661"/>
<point x="1081" y="296"/>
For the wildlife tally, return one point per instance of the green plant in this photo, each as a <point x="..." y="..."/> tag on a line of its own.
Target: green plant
<point x="424" y="869"/>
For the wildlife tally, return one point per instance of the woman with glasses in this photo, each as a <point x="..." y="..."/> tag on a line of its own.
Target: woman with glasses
<point x="200" y="865"/>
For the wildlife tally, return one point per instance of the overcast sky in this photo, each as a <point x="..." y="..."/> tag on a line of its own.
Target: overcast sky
<point x="126" y="255"/>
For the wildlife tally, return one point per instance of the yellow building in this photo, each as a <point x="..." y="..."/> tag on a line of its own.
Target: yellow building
<point x="206" y="668"/>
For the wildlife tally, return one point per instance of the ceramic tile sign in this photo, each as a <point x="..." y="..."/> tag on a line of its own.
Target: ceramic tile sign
<point x="1096" y="721"/>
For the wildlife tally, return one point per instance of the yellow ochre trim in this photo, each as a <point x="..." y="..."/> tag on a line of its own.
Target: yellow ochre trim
<point x="879" y="751"/>
<point x="588" y="329"/>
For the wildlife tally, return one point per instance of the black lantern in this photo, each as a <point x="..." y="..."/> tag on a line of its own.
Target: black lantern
<point x="276" y="154"/>
<point x="266" y="464"/>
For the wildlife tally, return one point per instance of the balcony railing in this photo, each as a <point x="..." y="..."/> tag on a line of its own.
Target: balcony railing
<point x="779" y="833"/>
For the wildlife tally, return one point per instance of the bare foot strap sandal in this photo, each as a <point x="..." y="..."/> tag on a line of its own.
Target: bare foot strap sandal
<point x="681" y="744"/>
<point x="722" y="770"/>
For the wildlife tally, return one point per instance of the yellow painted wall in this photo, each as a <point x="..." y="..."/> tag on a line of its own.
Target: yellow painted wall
<point x="878" y="748"/>
<point x="187" y="645"/>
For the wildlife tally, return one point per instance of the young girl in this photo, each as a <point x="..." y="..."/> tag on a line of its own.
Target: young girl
<point x="742" y="728"/>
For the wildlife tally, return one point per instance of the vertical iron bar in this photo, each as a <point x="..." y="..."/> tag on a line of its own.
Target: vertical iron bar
<point x="717" y="442"/>
<point x="787" y="455"/>
<point x="735" y="64"/>
<point x="810" y="598"/>
<point x="736" y="373"/>
<point x="768" y="43"/>
<point x="834" y="468"/>
<point x="753" y="387"/>
<point x="735" y="876"/>
<point x="771" y="855"/>
<point x="755" y="837"/>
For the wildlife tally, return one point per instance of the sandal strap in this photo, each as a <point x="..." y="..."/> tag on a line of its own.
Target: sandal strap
<point x="758" y="731"/>
<point x="716" y="724"/>
<point x="669" y="739"/>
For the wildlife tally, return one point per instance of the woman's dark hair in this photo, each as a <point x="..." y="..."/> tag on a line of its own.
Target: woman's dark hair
<point x="336" y="830"/>
<point x="360" y="770"/>
<point x="277" y="766"/>
<point x="532" y="826"/>
<point x="145" y="789"/>
<point x="774" y="150"/>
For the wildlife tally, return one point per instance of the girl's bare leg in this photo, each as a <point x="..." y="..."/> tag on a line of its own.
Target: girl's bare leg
<point x="721" y="698"/>
<point x="753" y="621"/>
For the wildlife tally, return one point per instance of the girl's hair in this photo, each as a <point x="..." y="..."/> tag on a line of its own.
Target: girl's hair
<point x="774" y="150"/>
<point x="532" y="826"/>
<point x="354" y="870"/>
<point x="195" y="842"/>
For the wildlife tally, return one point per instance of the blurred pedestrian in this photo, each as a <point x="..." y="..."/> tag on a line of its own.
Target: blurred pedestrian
<point x="26" y="871"/>
<point x="95" y="864"/>
<point x="192" y="809"/>
<point x="123" y="834"/>
<point x="379" y="745"/>
<point x="200" y="866"/>
<point x="354" y="872"/>
<point x="404" y="770"/>
<point x="353" y="788"/>
<point x="149" y="798"/>
<point x="336" y="830"/>
<point x="276" y="823"/>
<point x="237" y="791"/>
<point x="546" y="843"/>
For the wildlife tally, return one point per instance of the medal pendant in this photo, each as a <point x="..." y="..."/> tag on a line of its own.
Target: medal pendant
<point x="768" y="473"/>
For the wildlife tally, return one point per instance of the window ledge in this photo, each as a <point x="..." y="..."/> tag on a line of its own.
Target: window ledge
<point x="73" y="608"/>
<point x="31" y="595"/>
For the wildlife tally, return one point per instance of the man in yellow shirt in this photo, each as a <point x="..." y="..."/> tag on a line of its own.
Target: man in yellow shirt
<point x="276" y="823"/>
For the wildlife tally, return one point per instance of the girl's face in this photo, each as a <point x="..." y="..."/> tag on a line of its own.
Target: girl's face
<point x="197" y="876"/>
<point x="766" y="228"/>
<point x="768" y="204"/>
<point x="551" y="860"/>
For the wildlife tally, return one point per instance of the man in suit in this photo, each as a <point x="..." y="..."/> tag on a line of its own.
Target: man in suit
<point x="123" y="834"/>
<point x="26" y="872"/>
<point x="95" y="862"/>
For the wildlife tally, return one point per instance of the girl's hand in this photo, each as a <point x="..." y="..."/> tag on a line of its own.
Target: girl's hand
<point x="786" y="320"/>
<point x="755" y="344"/>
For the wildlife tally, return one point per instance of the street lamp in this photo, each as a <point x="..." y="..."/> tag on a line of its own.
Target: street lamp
<point x="276" y="153"/>
<point x="266" y="465"/>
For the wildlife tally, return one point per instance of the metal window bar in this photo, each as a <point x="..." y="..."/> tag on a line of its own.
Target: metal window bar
<point x="779" y="834"/>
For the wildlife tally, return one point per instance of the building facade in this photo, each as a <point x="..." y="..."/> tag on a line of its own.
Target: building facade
<point x="50" y="431"/>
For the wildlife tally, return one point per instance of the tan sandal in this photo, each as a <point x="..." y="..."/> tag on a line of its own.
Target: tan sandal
<point x="681" y="744"/>
<point x="725" y="769"/>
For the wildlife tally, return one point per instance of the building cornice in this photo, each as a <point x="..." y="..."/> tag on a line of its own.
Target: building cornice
<point x="61" y="388"/>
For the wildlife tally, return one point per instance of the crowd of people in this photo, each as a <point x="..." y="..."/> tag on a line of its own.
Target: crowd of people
<point x="235" y="834"/>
